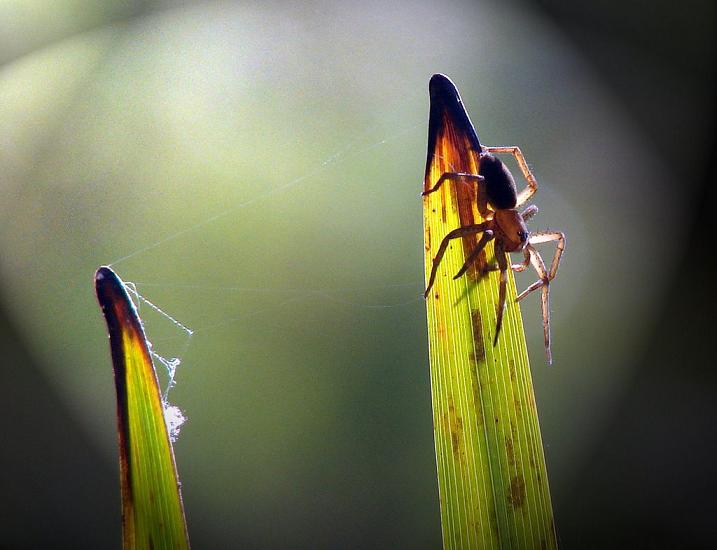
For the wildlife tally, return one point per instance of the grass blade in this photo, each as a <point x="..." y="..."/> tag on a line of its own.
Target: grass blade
<point x="152" y="510"/>
<point x="492" y="478"/>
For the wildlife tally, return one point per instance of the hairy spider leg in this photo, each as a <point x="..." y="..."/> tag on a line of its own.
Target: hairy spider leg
<point x="529" y="212"/>
<point x="547" y="237"/>
<point x="456" y="233"/>
<point x="487" y="236"/>
<point x="526" y="214"/>
<point x="453" y="176"/>
<point x="545" y="277"/>
<point x="543" y="283"/>
<point x="503" y="266"/>
<point x="522" y="266"/>
<point x="482" y="197"/>
<point x="532" y="187"/>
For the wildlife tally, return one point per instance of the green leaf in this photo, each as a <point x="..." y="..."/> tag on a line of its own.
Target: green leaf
<point x="492" y="479"/>
<point x="152" y="510"/>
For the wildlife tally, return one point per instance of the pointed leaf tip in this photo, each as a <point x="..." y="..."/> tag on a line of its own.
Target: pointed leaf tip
<point x="152" y="509"/>
<point x="441" y="83"/>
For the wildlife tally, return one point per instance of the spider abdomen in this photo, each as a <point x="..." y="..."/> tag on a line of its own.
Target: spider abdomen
<point x="499" y="182"/>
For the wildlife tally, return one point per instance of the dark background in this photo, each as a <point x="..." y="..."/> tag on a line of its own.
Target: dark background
<point x="657" y="454"/>
<point x="659" y="59"/>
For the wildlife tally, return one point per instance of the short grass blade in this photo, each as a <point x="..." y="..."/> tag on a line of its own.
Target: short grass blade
<point x="152" y="510"/>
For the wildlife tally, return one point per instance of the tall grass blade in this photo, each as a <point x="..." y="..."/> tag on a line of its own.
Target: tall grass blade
<point x="492" y="478"/>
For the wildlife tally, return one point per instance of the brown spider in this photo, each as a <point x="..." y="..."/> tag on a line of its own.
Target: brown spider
<point x="498" y="201"/>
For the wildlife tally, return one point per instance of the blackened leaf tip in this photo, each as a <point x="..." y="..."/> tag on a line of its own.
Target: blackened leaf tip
<point x="107" y="283"/>
<point x="104" y="272"/>
<point x="441" y="85"/>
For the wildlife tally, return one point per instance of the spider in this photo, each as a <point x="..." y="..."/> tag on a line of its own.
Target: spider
<point x="498" y="203"/>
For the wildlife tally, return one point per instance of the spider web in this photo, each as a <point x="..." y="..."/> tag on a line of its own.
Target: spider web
<point x="153" y="314"/>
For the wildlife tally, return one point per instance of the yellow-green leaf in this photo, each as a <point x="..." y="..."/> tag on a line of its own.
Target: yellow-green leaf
<point x="492" y="478"/>
<point x="152" y="510"/>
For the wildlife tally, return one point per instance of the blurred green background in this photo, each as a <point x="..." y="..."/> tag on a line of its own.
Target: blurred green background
<point x="255" y="169"/>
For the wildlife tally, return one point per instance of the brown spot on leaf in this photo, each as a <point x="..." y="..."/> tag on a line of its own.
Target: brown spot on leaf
<point x="510" y="452"/>
<point x="456" y="444"/>
<point x="455" y="426"/>
<point x="478" y="335"/>
<point x="516" y="492"/>
<point x="440" y="329"/>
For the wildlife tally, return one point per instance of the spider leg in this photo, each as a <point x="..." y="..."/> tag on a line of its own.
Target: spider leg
<point x="522" y="266"/>
<point x="546" y="237"/>
<point x="456" y="233"/>
<point x="454" y="176"/>
<point x="545" y="277"/>
<point x="532" y="187"/>
<point x="487" y="236"/>
<point x="503" y="265"/>
<point x="482" y="198"/>
<point x="529" y="212"/>
<point x="545" y="304"/>
<point x="526" y="214"/>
